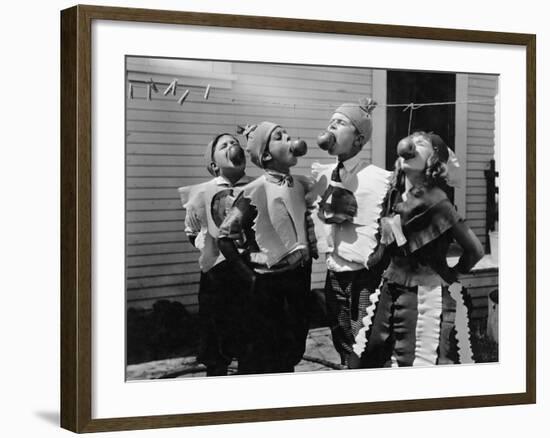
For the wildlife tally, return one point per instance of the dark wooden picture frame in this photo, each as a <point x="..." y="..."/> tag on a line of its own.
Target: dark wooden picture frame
<point x="76" y="218"/>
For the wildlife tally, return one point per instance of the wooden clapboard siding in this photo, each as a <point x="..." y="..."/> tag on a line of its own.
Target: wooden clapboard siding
<point x="480" y="147"/>
<point x="479" y="283"/>
<point x="165" y="147"/>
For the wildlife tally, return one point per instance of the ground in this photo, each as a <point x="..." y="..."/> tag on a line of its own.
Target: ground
<point x="320" y="355"/>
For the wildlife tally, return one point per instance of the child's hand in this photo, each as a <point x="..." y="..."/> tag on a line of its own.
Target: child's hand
<point x="377" y="256"/>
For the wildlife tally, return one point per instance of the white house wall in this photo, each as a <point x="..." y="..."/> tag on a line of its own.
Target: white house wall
<point x="165" y="145"/>
<point x="480" y="147"/>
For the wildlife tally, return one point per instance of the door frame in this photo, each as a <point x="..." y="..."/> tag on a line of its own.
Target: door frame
<point x="379" y="92"/>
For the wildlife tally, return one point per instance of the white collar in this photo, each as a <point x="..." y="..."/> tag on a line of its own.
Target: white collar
<point x="351" y="163"/>
<point x="221" y="181"/>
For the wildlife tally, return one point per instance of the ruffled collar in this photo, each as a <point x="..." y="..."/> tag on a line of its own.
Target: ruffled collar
<point x="417" y="201"/>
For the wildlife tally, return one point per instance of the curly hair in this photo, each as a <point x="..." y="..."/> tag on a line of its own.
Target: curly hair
<point x="436" y="167"/>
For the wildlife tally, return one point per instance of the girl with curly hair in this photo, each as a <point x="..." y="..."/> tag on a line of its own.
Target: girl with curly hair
<point x="413" y="321"/>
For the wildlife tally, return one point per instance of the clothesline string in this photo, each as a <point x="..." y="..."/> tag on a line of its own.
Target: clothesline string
<point x="406" y="106"/>
<point x="332" y="105"/>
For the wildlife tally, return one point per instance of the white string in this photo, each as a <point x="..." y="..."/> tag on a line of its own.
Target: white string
<point x="406" y="106"/>
<point x="411" y="107"/>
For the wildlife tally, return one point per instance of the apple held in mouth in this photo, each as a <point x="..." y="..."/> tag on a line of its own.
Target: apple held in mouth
<point x="235" y="155"/>
<point x="406" y="148"/>
<point x="326" y="140"/>
<point x="298" y="148"/>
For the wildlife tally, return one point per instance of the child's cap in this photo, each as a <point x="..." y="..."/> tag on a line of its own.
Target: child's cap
<point x="359" y="115"/>
<point x="209" y="152"/>
<point x="257" y="139"/>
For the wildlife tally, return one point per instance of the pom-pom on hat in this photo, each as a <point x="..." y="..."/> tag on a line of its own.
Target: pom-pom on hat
<point x="360" y="115"/>
<point x="257" y="139"/>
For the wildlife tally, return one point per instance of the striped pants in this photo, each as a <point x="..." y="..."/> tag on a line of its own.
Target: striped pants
<point x="347" y="296"/>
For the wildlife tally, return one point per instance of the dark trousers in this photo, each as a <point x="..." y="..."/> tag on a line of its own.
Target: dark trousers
<point x="221" y="325"/>
<point x="277" y="322"/>
<point x="393" y="331"/>
<point x="347" y="297"/>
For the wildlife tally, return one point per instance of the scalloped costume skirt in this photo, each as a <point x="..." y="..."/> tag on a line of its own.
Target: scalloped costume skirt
<point x="413" y="326"/>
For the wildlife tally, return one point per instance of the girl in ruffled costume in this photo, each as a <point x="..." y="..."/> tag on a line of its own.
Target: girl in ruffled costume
<point x="414" y="318"/>
<point x="206" y="205"/>
<point x="271" y="222"/>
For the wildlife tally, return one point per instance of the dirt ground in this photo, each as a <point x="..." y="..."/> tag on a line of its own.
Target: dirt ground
<point x="320" y="355"/>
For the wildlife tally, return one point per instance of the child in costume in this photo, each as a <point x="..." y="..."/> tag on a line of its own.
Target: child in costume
<point x="350" y="195"/>
<point x="270" y="220"/>
<point x="206" y="206"/>
<point x="414" y="321"/>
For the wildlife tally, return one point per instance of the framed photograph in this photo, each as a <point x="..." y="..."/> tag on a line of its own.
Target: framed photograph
<point x="268" y="219"/>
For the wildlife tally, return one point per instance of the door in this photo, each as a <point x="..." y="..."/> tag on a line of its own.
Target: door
<point x="419" y="87"/>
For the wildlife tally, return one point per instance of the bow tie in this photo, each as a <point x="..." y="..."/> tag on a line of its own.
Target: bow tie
<point x="281" y="179"/>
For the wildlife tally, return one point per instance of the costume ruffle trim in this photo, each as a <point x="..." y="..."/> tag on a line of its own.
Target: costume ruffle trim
<point x="361" y="337"/>
<point x="372" y="186"/>
<point x="430" y="307"/>
<point x="423" y="275"/>
<point x="462" y="326"/>
<point x="193" y="201"/>
<point x="317" y="169"/>
<point x="431" y="224"/>
<point x="192" y="196"/>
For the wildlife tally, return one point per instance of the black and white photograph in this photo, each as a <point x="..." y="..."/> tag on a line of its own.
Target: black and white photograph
<point x="275" y="219"/>
<point x="291" y="218"/>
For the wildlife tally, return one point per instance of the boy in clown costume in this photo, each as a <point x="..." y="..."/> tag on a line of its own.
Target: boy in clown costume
<point x="206" y="205"/>
<point x="270" y="222"/>
<point x="349" y="196"/>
